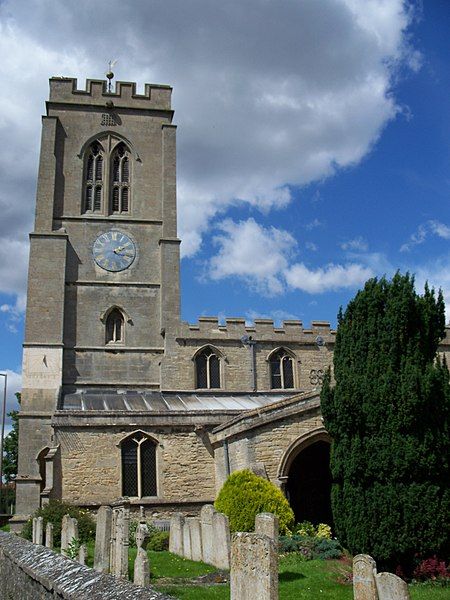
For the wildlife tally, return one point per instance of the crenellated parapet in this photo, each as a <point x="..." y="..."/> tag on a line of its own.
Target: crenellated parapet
<point x="123" y="95"/>
<point x="210" y="328"/>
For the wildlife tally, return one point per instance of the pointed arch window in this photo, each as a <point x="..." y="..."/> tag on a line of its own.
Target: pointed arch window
<point x="139" y="473"/>
<point x="115" y="327"/>
<point x="94" y="175"/>
<point x="281" y="370"/>
<point x="207" y="367"/>
<point x="120" y="180"/>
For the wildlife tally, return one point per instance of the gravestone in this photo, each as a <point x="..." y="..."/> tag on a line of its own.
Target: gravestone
<point x="221" y="541"/>
<point x="141" y="564"/>
<point x="176" y="534"/>
<point x="82" y="553"/>
<point x="364" y="570"/>
<point x="40" y="531"/>
<point x="49" y="535"/>
<point x="267" y="524"/>
<point x="196" y="538"/>
<point x="187" y="550"/>
<point x="254" y="567"/>
<point x="33" y="534"/>
<point x="206" y="521"/>
<point x="391" y="587"/>
<point x="103" y="539"/>
<point x="120" y="539"/>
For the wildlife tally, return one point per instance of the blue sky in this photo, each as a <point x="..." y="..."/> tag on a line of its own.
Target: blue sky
<point x="313" y="143"/>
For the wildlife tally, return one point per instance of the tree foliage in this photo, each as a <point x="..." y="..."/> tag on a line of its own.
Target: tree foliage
<point x="11" y="446"/>
<point x="388" y="415"/>
<point x="244" y="495"/>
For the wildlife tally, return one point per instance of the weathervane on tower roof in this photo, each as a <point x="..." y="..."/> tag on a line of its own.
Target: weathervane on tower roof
<point x="110" y="74"/>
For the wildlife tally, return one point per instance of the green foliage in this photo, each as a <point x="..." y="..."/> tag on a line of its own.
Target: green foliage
<point x="54" y="512"/>
<point x="159" y="541"/>
<point x="11" y="445"/>
<point x="73" y="549"/>
<point x="244" y="495"/>
<point x="310" y="547"/>
<point x="388" y="415"/>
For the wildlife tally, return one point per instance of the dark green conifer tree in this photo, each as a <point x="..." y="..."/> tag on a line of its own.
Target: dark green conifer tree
<point x="388" y="415"/>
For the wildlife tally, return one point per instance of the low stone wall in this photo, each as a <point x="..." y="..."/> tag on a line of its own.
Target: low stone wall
<point x="29" y="571"/>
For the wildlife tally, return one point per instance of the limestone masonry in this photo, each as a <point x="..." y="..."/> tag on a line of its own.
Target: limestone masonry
<point x="120" y="397"/>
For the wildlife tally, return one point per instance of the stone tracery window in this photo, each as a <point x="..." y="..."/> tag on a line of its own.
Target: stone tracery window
<point x="93" y="184"/>
<point x="281" y="370"/>
<point x="139" y="473"/>
<point x="120" y="180"/>
<point x="207" y="369"/>
<point x="115" y="325"/>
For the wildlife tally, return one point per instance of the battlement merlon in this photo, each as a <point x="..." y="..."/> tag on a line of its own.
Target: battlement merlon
<point x="123" y="95"/>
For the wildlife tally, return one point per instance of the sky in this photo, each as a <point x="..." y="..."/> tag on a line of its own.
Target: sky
<point x="313" y="143"/>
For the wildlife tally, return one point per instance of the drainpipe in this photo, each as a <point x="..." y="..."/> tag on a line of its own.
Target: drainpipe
<point x="248" y="341"/>
<point x="226" y="456"/>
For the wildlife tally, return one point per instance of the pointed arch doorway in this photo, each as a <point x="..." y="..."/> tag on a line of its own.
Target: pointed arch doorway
<point x="306" y="473"/>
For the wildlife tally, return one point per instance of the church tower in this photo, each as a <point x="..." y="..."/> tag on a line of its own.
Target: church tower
<point x="103" y="287"/>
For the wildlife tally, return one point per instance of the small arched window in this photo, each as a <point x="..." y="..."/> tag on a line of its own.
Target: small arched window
<point x="281" y="370"/>
<point x="207" y="366"/>
<point x="120" y="180"/>
<point x="115" y="324"/>
<point x="139" y="474"/>
<point x="93" y="184"/>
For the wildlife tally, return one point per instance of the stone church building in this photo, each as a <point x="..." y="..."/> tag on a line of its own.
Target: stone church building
<point x="120" y="397"/>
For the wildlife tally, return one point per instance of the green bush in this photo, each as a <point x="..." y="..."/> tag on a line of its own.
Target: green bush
<point x="244" y="495"/>
<point x="159" y="541"/>
<point x="53" y="512"/>
<point x="309" y="547"/>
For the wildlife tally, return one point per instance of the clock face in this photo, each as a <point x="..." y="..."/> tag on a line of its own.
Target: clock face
<point x="114" y="251"/>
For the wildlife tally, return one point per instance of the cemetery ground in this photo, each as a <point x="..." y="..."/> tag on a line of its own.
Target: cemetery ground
<point x="298" y="579"/>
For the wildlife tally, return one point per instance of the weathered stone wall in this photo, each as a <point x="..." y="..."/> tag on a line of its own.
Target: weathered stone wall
<point x="28" y="571"/>
<point x="91" y="464"/>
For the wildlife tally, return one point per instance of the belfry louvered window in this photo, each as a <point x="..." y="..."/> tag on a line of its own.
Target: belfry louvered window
<point x="120" y="180"/>
<point x="207" y="365"/>
<point x="94" y="174"/>
<point x="139" y="475"/>
<point x="281" y="370"/>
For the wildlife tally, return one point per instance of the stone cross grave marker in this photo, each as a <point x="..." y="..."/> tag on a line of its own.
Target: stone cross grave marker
<point x="254" y="567"/>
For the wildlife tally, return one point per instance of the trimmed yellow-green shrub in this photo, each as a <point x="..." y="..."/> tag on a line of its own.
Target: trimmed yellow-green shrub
<point x="244" y="495"/>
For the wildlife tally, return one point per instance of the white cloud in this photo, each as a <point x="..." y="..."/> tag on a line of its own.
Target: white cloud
<point x="14" y="384"/>
<point x="277" y="316"/>
<point x="311" y="246"/>
<point x="330" y="278"/>
<point x="267" y="95"/>
<point x="356" y="244"/>
<point x="262" y="257"/>
<point x="251" y="252"/>
<point x="431" y="227"/>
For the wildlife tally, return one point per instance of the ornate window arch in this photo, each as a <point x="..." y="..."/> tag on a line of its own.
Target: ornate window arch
<point x="139" y="465"/>
<point x="120" y="186"/>
<point x="208" y="368"/>
<point x="93" y="178"/>
<point x="282" y="372"/>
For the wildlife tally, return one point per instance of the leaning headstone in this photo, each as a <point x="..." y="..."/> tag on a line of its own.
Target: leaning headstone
<point x="391" y="587"/>
<point x="82" y="554"/>
<point x="103" y="539"/>
<point x="65" y="534"/>
<point x="176" y="534"/>
<point x="33" y="535"/>
<point x="206" y="521"/>
<point x="120" y="539"/>
<point x="40" y="531"/>
<point x="187" y="549"/>
<point x="267" y="524"/>
<point x="364" y="571"/>
<point x="49" y="535"/>
<point x="254" y="567"/>
<point x="141" y="564"/>
<point x="196" y="538"/>
<point x="221" y="541"/>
